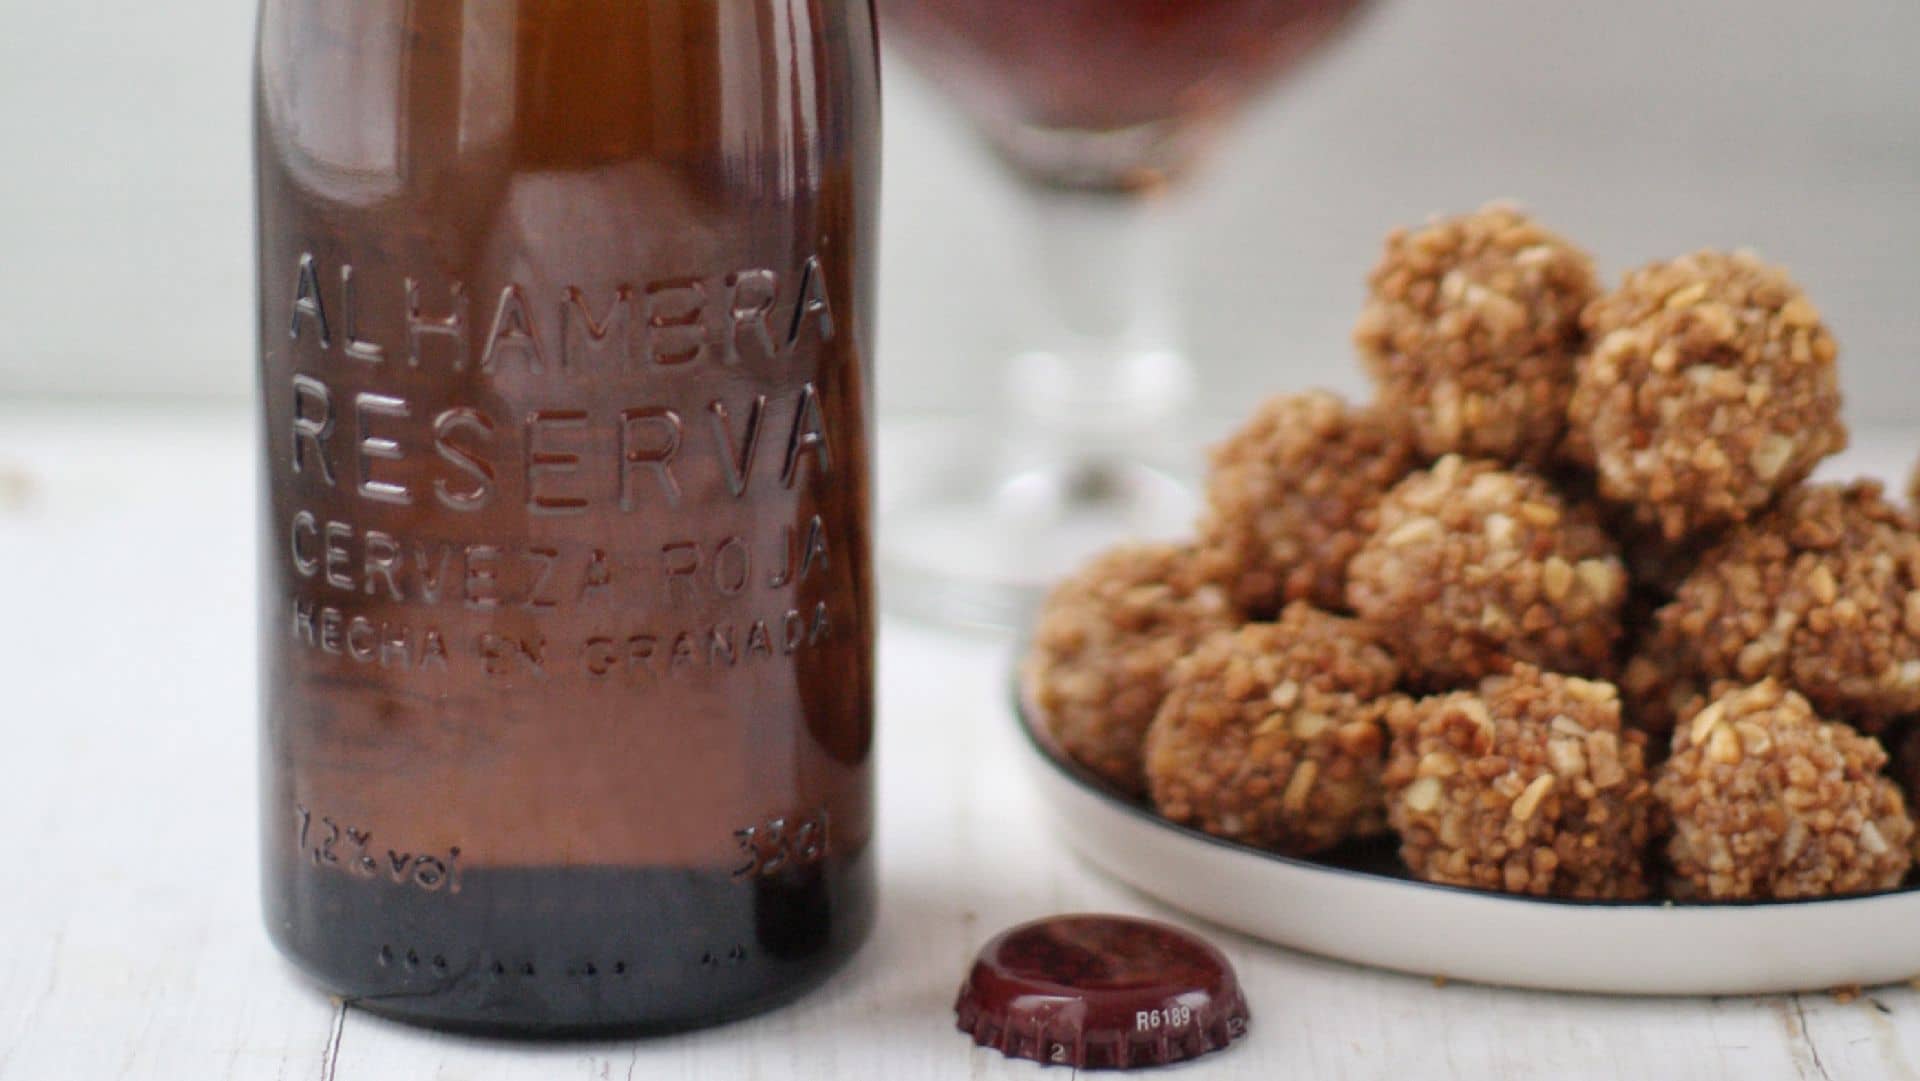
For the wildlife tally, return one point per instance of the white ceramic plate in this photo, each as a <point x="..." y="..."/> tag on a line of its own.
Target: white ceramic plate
<point x="1374" y="917"/>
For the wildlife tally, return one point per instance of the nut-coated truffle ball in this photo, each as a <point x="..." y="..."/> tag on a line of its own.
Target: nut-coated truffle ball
<point x="1822" y="592"/>
<point x="1472" y="567"/>
<point x="1710" y="389"/>
<point x="1287" y="494"/>
<point x="1271" y="736"/>
<point x="1768" y="800"/>
<point x="1105" y="646"/>
<point x="1528" y="785"/>
<point x="1471" y="330"/>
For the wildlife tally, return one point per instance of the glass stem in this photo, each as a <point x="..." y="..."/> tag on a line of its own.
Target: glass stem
<point x="1105" y="377"/>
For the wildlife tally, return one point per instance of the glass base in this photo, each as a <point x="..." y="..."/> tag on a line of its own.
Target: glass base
<point x="976" y="543"/>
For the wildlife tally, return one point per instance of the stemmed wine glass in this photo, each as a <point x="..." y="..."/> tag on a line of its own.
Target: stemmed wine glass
<point x="1098" y="107"/>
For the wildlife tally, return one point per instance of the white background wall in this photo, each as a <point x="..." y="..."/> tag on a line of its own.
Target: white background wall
<point x="1641" y="127"/>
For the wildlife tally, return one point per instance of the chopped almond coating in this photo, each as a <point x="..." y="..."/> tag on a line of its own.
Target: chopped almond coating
<point x="1528" y="785"/>
<point x="1768" y="800"/>
<point x="1823" y="593"/>
<point x="1472" y="567"/>
<point x="1471" y="330"/>
<point x="1271" y="734"/>
<point x="1105" y="647"/>
<point x="1288" y="492"/>
<point x="1710" y="389"/>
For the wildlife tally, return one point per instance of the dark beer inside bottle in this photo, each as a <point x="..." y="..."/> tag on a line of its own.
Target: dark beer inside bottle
<point x="566" y="618"/>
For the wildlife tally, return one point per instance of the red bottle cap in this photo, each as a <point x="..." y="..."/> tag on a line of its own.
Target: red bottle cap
<point x="1101" y="992"/>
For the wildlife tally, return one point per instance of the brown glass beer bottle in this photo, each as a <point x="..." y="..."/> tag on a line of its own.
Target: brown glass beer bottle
<point x="567" y="615"/>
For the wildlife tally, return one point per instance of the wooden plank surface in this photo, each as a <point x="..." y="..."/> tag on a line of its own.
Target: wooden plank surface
<point x="130" y="944"/>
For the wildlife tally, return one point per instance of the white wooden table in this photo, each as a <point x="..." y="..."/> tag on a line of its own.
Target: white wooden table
<point x="130" y="944"/>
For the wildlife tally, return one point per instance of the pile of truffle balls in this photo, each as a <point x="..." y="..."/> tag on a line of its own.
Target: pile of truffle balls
<point x="1558" y="609"/>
